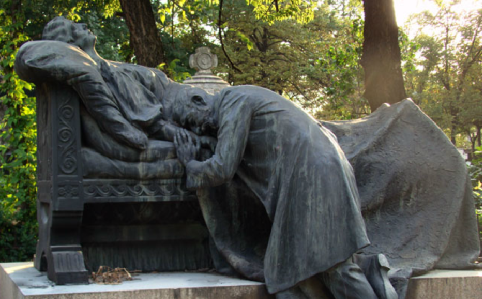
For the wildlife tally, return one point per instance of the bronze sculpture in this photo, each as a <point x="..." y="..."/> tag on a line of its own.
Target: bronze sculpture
<point x="276" y="162"/>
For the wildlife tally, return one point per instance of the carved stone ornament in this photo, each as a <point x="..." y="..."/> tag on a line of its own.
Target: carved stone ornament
<point x="203" y="60"/>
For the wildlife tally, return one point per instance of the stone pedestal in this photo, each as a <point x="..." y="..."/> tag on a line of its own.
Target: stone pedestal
<point x="203" y="60"/>
<point x="22" y="280"/>
<point x="208" y="82"/>
<point x="445" y="284"/>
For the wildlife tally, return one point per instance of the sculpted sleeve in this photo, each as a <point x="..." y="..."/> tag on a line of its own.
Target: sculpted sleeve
<point x="235" y="114"/>
<point x="52" y="61"/>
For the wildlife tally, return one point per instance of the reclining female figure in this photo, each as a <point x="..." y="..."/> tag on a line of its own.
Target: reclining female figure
<point x="131" y="103"/>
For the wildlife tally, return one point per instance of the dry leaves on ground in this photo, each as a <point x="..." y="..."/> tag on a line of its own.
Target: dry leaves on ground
<point x="107" y="275"/>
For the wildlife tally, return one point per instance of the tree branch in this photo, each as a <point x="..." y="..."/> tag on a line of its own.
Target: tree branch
<point x="220" y="32"/>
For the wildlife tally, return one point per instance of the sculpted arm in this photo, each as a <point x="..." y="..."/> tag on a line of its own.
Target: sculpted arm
<point x="234" y="124"/>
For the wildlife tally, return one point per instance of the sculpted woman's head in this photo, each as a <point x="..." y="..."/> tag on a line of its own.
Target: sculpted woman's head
<point x="61" y="29"/>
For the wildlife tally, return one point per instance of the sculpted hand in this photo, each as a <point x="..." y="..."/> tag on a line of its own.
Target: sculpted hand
<point x="195" y="138"/>
<point x="185" y="147"/>
<point x="208" y="142"/>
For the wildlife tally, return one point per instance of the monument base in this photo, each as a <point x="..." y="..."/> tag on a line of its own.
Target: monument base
<point x="22" y="280"/>
<point x="437" y="284"/>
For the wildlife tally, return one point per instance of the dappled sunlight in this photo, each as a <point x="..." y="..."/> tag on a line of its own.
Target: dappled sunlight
<point x="21" y="266"/>
<point x="405" y="8"/>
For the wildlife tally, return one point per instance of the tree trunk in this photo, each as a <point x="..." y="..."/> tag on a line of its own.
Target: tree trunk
<point x="381" y="57"/>
<point x="144" y="37"/>
<point x="453" y="133"/>
<point x="473" y="140"/>
<point x="478" y="128"/>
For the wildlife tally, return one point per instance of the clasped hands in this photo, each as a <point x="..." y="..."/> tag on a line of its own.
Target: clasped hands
<point x="188" y="145"/>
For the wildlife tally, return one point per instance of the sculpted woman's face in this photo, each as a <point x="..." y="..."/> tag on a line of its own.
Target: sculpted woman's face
<point x="82" y="37"/>
<point x="61" y="29"/>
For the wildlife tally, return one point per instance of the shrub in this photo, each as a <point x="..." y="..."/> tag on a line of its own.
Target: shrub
<point x="18" y="225"/>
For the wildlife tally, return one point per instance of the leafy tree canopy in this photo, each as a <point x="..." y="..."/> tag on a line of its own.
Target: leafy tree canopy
<point x="444" y="77"/>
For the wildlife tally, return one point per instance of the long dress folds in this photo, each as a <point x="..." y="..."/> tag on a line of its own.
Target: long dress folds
<point x="296" y="169"/>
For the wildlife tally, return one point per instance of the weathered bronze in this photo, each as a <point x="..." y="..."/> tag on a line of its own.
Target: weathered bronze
<point x="109" y="183"/>
<point x="314" y="209"/>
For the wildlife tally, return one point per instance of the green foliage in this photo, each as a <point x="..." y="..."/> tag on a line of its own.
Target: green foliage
<point x="184" y="26"/>
<point x="313" y="64"/>
<point x="443" y="70"/>
<point x="475" y="170"/>
<point x="176" y="72"/>
<point x="18" y="227"/>
<point x="184" y="11"/>
<point x="112" y="36"/>
<point x="302" y="11"/>
<point x="408" y="49"/>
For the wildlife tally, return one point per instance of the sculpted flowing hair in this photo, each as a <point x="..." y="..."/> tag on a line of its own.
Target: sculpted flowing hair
<point x="59" y="29"/>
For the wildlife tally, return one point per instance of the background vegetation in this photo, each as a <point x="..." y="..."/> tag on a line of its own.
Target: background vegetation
<point x="308" y="51"/>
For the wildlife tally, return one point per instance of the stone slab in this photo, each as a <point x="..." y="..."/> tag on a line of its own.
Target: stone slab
<point x="446" y="284"/>
<point x="22" y="280"/>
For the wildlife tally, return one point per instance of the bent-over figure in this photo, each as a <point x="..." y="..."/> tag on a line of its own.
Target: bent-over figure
<point x="301" y="176"/>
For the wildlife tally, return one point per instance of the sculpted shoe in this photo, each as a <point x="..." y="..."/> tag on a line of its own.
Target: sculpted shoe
<point x="376" y="269"/>
<point x="388" y="290"/>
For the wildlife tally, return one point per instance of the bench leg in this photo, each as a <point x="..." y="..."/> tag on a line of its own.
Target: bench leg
<point x="66" y="265"/>
<point x="59" y="250"/>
